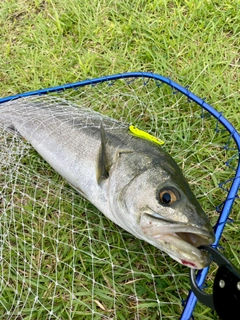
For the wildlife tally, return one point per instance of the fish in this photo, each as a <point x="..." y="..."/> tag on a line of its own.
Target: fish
<point x="131" y="179"/>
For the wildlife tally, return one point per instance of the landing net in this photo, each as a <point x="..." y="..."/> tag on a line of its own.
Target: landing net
<point x="60" y="258"/>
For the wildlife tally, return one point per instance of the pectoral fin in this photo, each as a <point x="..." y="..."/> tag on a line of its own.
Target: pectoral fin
<point x="102" y="172"/>
<point x="13" y="130"/>
<point x="78" y="190"/>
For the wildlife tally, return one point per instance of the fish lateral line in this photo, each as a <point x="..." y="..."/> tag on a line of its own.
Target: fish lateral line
<point x="144" y="135"/>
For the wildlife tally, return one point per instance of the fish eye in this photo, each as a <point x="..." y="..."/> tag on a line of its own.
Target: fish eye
<point x="168" y="196"/>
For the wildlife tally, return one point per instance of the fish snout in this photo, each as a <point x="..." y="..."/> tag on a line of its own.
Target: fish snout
<point x="198" y="218"/>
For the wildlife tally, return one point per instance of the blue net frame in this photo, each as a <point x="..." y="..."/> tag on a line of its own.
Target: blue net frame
<point x="224" y="208"/>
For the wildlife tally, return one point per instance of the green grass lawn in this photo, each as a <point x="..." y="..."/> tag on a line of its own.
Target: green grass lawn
<point x="61" y="259"/>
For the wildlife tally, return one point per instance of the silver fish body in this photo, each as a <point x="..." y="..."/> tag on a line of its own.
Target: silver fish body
<point x="132" y="181"/>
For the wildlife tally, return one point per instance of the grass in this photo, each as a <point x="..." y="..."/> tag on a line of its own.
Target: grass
<point x="47" y="43"/>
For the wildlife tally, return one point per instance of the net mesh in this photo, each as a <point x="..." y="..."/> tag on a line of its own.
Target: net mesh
<point x="60" y="258"/>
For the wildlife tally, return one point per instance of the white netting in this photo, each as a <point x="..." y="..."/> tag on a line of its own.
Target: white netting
<point x="60" y="258"/>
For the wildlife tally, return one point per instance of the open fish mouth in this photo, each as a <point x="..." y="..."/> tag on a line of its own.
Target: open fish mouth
<point x="180" y="241"/>
<point x="186" y="248"/>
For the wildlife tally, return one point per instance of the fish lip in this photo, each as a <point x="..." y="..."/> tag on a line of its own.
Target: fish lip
<point x="189" y="255"/>
<point x="185" y="239"/>
<point x="174" y="227"/>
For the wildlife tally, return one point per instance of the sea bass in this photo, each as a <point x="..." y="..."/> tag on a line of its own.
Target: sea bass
<point x="131" y="180"/>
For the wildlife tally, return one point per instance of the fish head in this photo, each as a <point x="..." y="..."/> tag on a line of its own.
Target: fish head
<point x="168" y="215"/>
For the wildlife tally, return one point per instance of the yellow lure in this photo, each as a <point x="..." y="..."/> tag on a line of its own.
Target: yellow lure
<point x="144" y="135"/>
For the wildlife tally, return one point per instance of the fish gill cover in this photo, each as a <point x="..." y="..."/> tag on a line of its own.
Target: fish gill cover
<point x="61" y="258"/>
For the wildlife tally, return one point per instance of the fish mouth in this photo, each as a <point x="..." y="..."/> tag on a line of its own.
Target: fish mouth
<point x="180" y="241"/>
